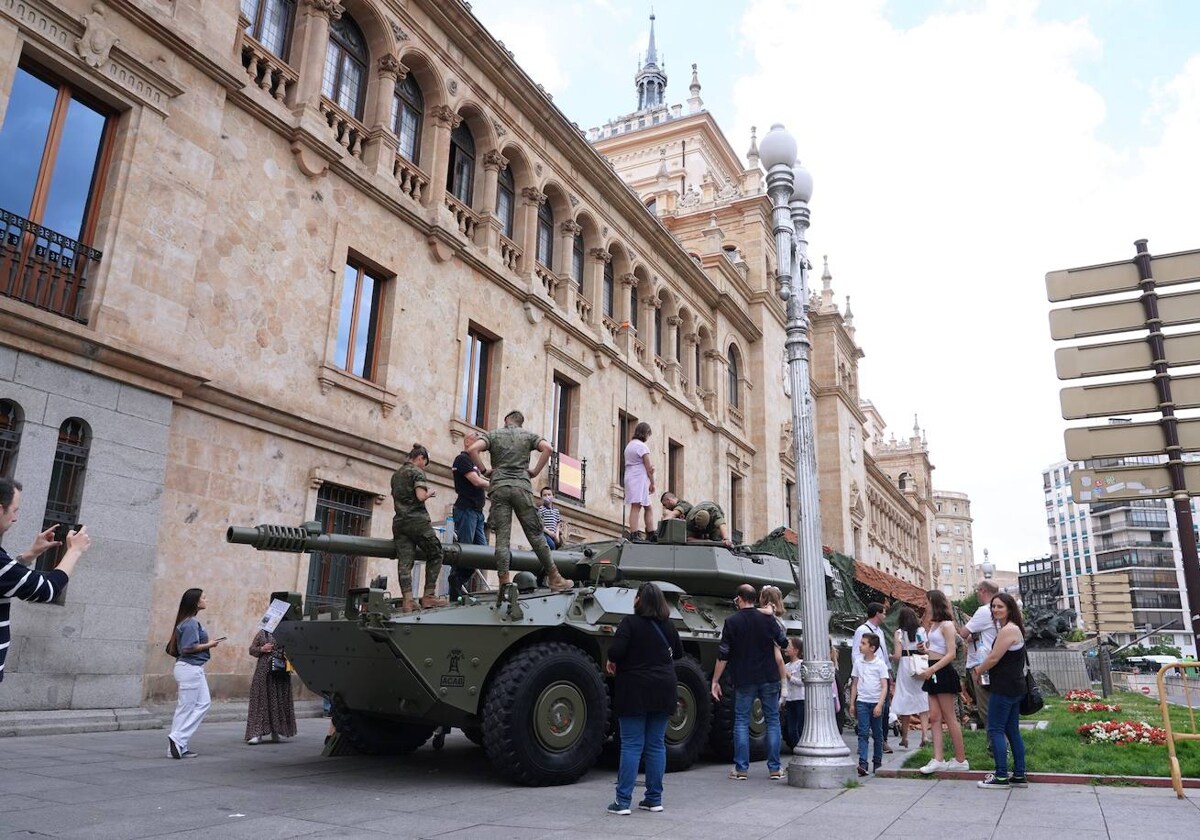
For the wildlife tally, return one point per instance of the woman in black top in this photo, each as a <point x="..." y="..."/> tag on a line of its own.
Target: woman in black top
<point x="1004" y="672"/>
<point x="642" y="657"/>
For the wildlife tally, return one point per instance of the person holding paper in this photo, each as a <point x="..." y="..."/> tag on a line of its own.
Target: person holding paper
<point x="272" y="712"/>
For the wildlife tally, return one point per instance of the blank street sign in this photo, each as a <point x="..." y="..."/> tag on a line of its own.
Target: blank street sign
<point x="1126" y="398"/>
<point x="1109" y="278"/>
<point x="1091" y="486"/>
<point x="1124" y="356"/>
<point x="1117" y="439"/>
<point x="1122" y="316"/>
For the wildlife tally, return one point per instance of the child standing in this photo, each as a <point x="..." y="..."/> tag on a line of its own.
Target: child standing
<point x="793" y="694"/>
<point x="868" y="687"/>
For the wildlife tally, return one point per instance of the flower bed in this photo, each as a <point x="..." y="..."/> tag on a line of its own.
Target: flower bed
<point x="1082" y="696"/>
<point x="1079" y="708"/>
<point x="1122" y="732"/>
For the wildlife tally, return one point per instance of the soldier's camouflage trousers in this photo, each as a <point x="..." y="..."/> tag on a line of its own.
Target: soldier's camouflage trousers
<point x="416" y="540"/>
<point x="505" y="502"/>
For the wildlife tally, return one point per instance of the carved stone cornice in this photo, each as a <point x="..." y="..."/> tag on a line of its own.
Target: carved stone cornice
<point x="674" y="320"/>
<point x="570" y="227"/>
<point x="656" y="302"/>
<point x="600" y="254"/>
<point x="533" y="195"/>
<point x="629" y="280"/>
<point x="331" y="9"/>
<point x="446" y="114"/>
<point x="389" y="65"/>
<point x="494" y="160"/>
<point x="691" y="338"/>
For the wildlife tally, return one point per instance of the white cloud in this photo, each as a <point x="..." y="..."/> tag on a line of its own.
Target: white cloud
<point x="956" y="162"/>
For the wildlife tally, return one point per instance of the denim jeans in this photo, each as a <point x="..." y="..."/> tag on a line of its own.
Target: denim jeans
<point x="1004" y="719"/>
<point x="642" y="737"/>
<point x="743" y="702"/>
<point x="868" y="725"/>
<point x="794" y="724"/>
<point x="468" y="529"/>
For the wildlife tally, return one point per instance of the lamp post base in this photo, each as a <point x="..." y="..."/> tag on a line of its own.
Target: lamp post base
<point x="821" y="772"/>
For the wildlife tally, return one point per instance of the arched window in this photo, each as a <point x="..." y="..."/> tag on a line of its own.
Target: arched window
<point x="545" y="235"/>
<point x="66" y="483"/>
<point x="345" y="79"/>
<point x="735" y="376"/>
<point x="271" y="23"/>
<point x="658" y="331"/>
<point x="652" y="206"/>
<point x="633" y="306"/>
<point x="12" y="419"/>
<point x="699" y="371"/>
<point x="506" y="200"/>
<point x="905" y="478"/>
<point x="577" y="258"/>
<point x="609" y="289"/>
<point x="408" y="112"/>
<point x="461" y="174"/>
<point x="679" y="342"/>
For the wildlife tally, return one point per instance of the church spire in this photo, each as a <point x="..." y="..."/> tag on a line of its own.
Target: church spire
<point x="651" y="80"/>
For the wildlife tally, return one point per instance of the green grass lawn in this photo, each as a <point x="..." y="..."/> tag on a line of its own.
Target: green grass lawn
<point x="1060" y="749"/>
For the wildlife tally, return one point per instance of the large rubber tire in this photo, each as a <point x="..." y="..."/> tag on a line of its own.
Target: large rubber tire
<point x="373" y="735"/>
<point x="545" y="715"/>
<point x="474" y="735"/>
<point x="688" y="728"/>
<point x="720" y="739"/>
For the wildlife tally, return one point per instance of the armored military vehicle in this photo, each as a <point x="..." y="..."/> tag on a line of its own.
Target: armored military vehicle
<point x="519" y="671"/>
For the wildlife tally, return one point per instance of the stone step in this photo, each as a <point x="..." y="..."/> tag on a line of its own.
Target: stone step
<point x="151" y="716"/>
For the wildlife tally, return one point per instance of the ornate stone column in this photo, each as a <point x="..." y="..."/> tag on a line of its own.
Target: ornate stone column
<point x="593" y="278"/>
<point x="687" y="364"/>
<point x="317" y="15"/>
<point x="445" y="120"/>
<point x="569" y="287"/>
<point x="627" y="338"/>
<point x="531" y="199"/>
<point x="380" y="153"/>
<point x="674" y="363"/>
<point x="488" y="236"/>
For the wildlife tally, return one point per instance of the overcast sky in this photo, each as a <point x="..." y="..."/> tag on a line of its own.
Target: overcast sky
<point x="960" y="150"/>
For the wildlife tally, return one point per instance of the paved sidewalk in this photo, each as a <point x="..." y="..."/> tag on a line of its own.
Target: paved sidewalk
<point x="117" y="785"/>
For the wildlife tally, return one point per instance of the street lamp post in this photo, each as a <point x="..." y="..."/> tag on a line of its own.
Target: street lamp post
<point x="822" y="759"/>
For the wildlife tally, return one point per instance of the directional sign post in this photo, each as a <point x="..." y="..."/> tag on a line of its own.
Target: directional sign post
<point x="1152" y="352"/>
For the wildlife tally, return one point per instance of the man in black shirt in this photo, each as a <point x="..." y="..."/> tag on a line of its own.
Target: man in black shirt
<point x="471" y="487"/>
<point x="750" y="646"/>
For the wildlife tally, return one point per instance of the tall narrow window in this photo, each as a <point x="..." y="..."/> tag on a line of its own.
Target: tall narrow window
<point x="506" y="200"/>
<point x="54" y="143"/>
<point x="735" y="506"/>
<point x="408" y="113"/>
<point x="345" y="80"/>
<point x="476" y="378"/>
<point x="340" y="510"/>
<point x="679" y="342"/>
<point x="789" y="494"/>
<point x="626" y="423"/>
<point x="545" y="235"/>
<point x="577" y="258"/>
<point x="675" y="467"/>
<point x="634" y="306"/>
<point x="699" y="368"/>
<point x="12" y="420"/>
<point x="609" y="290"/>
<point x="564" y="394"/>
<point x="461" y="174"/>
<point x="735" y="378"/>
<point x="658" y="331"/>
<point x="66" y="484"/>
<point x="271" y="23"/>
<point x="357" y="348"/>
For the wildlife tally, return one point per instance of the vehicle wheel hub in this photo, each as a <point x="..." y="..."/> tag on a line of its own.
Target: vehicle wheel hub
<point x="560" y="716"/>
<point x="683" y="721"/>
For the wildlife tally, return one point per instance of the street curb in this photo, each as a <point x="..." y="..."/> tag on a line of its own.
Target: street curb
<point x="1042" y="778"/>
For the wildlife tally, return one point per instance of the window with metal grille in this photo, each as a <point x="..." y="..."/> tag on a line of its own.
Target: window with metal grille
<point x="408" y="112"/>
<point x="12" y="420"/>
<point x="658" y="331"/>
<point x="460" y="175"/>
<point x="634" y="305"/>
<point x="577" y="258"/>
<point x="545" y="235"/>
<point x="609" y="290"/>
<point x="735" y="375"/>
<point x="270" y="23"/>
<point x="340" y="510"/>
<point x="345" y="79"/>
<point x="506" y="200"/>
<point x="66" y="485"/>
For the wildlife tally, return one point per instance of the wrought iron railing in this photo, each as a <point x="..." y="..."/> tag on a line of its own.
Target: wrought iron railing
<point x="44" y="268"/>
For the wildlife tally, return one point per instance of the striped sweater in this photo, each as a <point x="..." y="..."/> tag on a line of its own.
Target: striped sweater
<point x="20" y="581"/>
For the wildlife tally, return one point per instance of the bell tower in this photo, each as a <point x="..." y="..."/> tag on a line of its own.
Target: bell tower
<point x="651" y="80"/>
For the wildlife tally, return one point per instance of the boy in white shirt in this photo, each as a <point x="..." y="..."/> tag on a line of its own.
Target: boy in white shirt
<point x="868" y="687"/>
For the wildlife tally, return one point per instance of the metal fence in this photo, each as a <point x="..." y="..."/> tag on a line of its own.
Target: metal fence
<point x="1065" y="668"/>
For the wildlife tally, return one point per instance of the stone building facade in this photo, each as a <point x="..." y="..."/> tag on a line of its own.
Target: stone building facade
<point x="955" y="555"/>
<point x="257" y="250"/>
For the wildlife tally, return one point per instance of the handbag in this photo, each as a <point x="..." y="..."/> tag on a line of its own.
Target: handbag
<point x="1032" y="702"/>
<point x="279" y="665"/>
<point x="917" y="662"/>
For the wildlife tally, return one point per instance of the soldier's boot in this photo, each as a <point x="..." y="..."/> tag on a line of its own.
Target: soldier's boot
<point x="429" y="600"/>
<point x="557" y="582"/>
<point x="503" y="579"/>
<point x="407" y="604"/>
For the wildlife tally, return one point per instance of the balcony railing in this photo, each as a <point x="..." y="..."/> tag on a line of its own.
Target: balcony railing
<point x="510" y="254"/>
<point x="44" y="268"/>
<point x="347" y="132"/>
<point x="464" y="217"/>
<point x="266" y="70"/>
<point x="413" y="182"/>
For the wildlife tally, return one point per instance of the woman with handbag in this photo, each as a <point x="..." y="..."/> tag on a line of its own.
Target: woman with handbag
<point x="642" y="658"/>
<point x="272" y="712"/>
<point x="911" y="659"/>
<point x="1004" y="673"/>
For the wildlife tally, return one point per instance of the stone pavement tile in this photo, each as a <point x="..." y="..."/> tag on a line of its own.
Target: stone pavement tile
<point x="906" y="829"/>
<point x="767" y="812"/>
<point x="818" y="826"/>
<point x="410" y="826"/>
<point x="84" y="822"/>
<point x="676" y="828"/>
<point x="638" y="824"/>
<point x="19" y="802"/>
<point x="348" y="834"/>
<point x="255" y="828"/>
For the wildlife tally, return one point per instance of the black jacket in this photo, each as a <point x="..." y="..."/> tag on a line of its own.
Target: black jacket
<point x="645" y="679"/>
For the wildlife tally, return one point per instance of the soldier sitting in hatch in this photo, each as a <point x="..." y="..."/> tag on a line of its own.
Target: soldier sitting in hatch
<point x="412" y="530"/>
<point x="705" y="520"/>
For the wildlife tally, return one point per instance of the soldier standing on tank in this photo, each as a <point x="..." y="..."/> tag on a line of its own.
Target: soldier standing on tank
<point x="512" y="492"/>
<point x="413" y="531"/>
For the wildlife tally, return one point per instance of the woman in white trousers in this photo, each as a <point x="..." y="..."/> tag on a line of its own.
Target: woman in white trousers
<point x="190" y="646"/>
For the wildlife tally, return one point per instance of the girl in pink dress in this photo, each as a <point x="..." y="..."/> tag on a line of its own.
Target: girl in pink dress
<point x="639" y="481"/>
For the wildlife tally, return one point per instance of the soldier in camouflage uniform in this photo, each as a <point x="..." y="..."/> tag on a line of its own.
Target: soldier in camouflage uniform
<point x="674" y="507"/>
<point x="413" y="531"/>
<point x="705" y="520"/>
<point x="511" y="492"/>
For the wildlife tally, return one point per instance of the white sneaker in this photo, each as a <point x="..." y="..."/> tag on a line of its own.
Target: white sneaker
<point x="933" y="766"/>
<point x="957" y="765"/>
